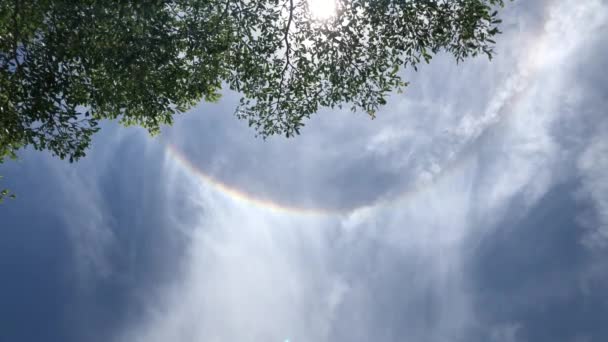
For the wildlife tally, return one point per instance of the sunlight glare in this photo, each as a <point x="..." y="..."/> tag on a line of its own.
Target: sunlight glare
<point x="322" y="9"/>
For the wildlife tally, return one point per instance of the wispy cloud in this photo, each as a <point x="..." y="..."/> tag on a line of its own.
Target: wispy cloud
<point x="80" y="191"/>
<point x="593" y="164"/>
<point x="459" y="154"/>
<point x="449" y="218"/>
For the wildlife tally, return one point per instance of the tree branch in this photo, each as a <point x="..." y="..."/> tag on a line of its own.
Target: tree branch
<point x="287" y="50"/>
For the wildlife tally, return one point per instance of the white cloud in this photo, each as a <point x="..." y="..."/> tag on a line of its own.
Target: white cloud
<point x="85" y="210"/>
<point x="250" y="275"/>
<point x="394" y="269"/>
<point x="505" y="333"/>
<point x="593" y="165"/>
<point x="89" y="228"/>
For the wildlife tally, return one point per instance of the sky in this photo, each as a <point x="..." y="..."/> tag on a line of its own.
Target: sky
<point x="473" y="208"/>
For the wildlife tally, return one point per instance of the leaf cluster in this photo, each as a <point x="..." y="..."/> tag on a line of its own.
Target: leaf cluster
<point x="288" y="65"/>
<point x="66" y="65"/>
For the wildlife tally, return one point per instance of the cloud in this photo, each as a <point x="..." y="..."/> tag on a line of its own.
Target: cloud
<point x="455" y="219"/>
<point x="505" y="333"/>
<point x="593" y="164"/>
<point x="246" y="276"/>
<point x="85" y="208"/>
<point x="428" y="183"/>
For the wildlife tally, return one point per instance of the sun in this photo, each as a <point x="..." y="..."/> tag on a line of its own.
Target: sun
<point x="322" y="9"/>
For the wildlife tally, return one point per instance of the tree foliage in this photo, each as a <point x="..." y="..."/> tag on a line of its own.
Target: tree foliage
<point x="65" y="65"/>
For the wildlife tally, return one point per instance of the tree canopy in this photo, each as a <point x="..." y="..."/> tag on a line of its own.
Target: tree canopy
<point x="65" y="65"/>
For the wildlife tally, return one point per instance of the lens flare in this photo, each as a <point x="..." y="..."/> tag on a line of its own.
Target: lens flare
<point x="322" y="9"/>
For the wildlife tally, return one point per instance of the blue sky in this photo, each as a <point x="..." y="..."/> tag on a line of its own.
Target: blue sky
<point x="474" y="208"/>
